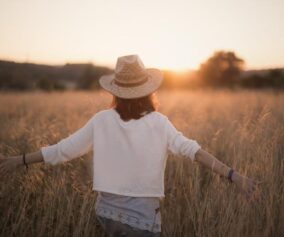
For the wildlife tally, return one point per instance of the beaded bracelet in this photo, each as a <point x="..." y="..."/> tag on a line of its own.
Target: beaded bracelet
<point x="230" y="175"/>
<point x="24" y="160"/>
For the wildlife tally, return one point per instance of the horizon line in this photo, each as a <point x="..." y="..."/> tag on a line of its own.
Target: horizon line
<point x="111" y="67"/>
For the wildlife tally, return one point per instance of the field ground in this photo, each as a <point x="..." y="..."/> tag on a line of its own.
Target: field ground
<point x="244" y="129"/>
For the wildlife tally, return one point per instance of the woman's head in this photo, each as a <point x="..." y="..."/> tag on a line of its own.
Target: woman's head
<point x="135" y="108"/>
<point x="131" y="79"/>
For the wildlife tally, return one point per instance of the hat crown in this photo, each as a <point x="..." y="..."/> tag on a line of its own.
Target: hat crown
<point x="131" y="79"/>
<point x="130" y="69"/>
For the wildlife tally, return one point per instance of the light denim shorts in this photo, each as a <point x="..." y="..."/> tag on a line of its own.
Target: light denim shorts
<point x="118" y="229"/>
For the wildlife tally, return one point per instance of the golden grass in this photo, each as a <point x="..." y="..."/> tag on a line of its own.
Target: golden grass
<point x="244" y="129"/>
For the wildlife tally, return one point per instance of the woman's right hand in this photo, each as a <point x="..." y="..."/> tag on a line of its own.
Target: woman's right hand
<point x="8" y="164"/>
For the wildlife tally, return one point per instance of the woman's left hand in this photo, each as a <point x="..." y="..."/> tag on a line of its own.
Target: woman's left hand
<point x="247" y="186"/>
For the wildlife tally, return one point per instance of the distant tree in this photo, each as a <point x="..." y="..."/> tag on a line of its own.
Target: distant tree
<point x="90" y="77"/>
<point x="276" y="78"/>
<point x="45" y="84"/>
<point x="20" y="79"/>
<point x="86" y="80"/>
<point x="49" y="85"/>
<point x="254" y="81"/>
<point x="98" y="72"/>
<point x="221" y="69"/>
<point x="275" y="73"/>
<point x="59" y="86"/>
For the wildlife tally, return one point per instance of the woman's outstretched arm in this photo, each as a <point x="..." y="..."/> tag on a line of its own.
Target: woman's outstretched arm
<point x="9" y="163"/>
<point x="178" y="144"/>
<point x="75" y="145"/>
<point x="246" y="185"/>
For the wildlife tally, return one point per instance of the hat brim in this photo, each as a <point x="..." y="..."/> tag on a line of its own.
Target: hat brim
<point x="151" y="85"/>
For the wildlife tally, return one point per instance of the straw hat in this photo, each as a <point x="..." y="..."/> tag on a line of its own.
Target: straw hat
<point x="131" y="79"/>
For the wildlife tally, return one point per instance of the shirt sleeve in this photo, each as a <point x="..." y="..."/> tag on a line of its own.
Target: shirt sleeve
<point x="178" y="144"/>
<point x="75" y="145"/>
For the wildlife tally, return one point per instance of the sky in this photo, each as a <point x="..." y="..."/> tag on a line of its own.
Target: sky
<point x="167" y="34"/>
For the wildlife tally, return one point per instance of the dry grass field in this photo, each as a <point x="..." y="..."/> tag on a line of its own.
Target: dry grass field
<point x="244" y="129"/>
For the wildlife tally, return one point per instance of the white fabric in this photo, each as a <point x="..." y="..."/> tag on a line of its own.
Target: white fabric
<point x="129" y="158"/>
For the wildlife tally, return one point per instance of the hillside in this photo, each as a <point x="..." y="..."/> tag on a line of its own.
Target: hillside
<point x="30" y="75"/>
<point x="27" y="76"/>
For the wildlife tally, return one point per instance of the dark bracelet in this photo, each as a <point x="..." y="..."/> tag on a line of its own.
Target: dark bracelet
<point x="24" y="160"/>
<point x="230" y="175"/>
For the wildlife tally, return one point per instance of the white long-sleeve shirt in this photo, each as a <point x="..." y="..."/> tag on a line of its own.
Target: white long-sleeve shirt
<point x="129" y="157"/>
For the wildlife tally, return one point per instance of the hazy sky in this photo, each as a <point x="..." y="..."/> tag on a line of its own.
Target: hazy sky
<point x="175" y="34"/>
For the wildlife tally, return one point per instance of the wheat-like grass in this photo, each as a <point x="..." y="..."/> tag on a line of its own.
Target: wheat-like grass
<point x="244" y="129"/>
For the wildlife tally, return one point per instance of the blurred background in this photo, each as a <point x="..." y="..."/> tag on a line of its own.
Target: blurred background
<point x="223" y="64"/>
<point x="68" y="45"/>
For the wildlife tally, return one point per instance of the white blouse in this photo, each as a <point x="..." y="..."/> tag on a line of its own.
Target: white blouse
<point x="129" y="157"/>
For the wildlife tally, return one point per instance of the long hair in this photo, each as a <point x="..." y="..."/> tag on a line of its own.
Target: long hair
<point x="135" y="108"/>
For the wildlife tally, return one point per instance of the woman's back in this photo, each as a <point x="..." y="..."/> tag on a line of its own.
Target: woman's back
<point x="129" y="158"/>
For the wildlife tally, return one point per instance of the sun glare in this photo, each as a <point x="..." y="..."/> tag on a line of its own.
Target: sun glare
<point x="173" y="58"/>
<point x="176" y="63"/>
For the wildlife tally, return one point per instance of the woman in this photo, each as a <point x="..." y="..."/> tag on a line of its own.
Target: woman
<point x="130" y="141"/>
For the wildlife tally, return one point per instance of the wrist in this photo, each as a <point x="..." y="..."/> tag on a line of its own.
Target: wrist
<point x="18" y="160"/>
<point x="235" y="176"/>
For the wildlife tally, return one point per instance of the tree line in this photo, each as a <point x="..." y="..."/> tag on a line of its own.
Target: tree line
<point x="222" y="69"/>
<point x="226" y="69"/>
<point x="29" y="76"/>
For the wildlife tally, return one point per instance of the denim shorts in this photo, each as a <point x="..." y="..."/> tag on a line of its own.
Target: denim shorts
<point x="118" y="229"/>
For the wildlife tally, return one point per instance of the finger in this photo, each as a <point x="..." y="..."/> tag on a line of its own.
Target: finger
<point x="252" y="188"/>
<point x="259" y="182"/>
<point x="255" y="191"/>
<point x="249" y="192"/>
<point x="4" y="171"/>
<point x="250" y="199"/>
<point x="7" y="171"/>
<point x="2" y="164"/>
<point x="257" y="197"/>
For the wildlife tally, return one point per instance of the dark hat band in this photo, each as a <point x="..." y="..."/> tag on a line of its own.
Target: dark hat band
<point x="131" y="84"/>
